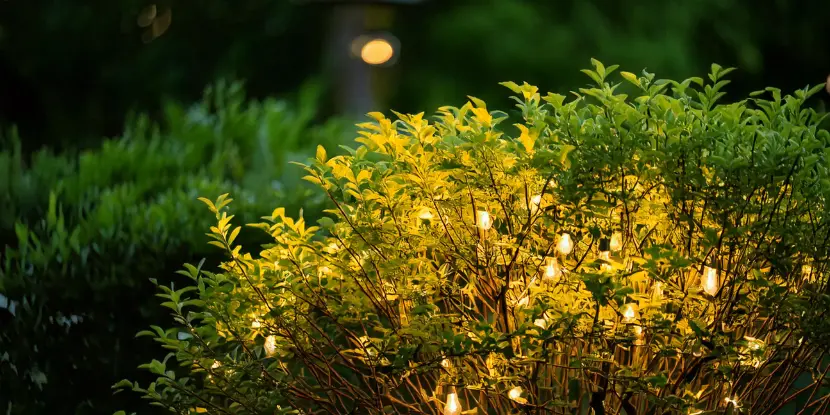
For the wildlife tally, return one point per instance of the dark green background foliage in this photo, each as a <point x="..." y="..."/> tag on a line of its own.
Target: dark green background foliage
<point x="92" y="229"/>
<point x="466" y="47"/>
<point x="81" y="66"/>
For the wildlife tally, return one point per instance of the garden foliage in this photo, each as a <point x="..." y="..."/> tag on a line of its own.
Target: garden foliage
<point x="84" y="234"/>
<point x="639" y="253"/>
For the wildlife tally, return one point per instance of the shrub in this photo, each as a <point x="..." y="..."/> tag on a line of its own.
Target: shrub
<point x="91" y="230"/>
<point x="660" y="253"/>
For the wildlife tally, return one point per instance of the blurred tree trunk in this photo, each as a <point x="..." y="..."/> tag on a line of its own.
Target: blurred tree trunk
<point x="352" y="77"/>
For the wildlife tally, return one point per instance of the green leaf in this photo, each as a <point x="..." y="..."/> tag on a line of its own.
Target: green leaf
<point x="512" y="86"/>
<point x="574" y="389"/>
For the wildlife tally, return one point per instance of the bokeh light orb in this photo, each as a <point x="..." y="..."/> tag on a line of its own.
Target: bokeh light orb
<point x="377" y="52"/>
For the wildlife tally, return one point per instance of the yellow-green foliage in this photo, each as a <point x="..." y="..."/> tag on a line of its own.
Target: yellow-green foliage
<point x="617" y="254"/>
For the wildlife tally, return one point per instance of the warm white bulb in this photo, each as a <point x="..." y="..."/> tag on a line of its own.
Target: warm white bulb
<point x="535" y="203"/>
<point x="565" y="245"/>
<point x="552" y="270"/>
<point x="453" y="406"/>
<point x="515" y="393"/>
<point x="270" y="346"/>
<point x="710" y="280"/>
<point x="733" y="401"/>
<point x="425" y="214"/>
<point x="216" y="364"/>
<point x="616" y="242"/>
<point x="629" y="313"/>
<point x="445" y="362"/>
<point x="484" y="220"/>
<point x="256" y="324"/>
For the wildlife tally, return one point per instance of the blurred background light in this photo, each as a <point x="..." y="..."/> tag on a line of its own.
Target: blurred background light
<point x="376" y="50"/>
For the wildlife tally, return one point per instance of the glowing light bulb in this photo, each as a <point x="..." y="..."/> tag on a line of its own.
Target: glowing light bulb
<point x="515" y="393"/>
<point x="535" y="203"/>
<point x="425" y="214"/>
<point x="605" y="256"/>
<point x="733" y="401"/>
<point x="453" y="406"/>
<point x="484" y="220"/>
<point x="616" y="242"/>
<point x="552" y="270"/>
<point x="270" y="346"/>
<point x="377" y="52"/>
<point x="216" y="364"/>
<point x="256" y="324"/>
<point x="709" y="282"/>
<point x="629" y="313"/>
<point x="446" y="362"/>
<point x="565" y="245"/>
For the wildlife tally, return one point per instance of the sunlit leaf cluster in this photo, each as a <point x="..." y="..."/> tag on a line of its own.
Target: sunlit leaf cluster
<point x="640" y="253"/>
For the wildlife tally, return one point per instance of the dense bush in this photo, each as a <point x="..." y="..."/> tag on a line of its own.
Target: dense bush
<point x="545" y="43"/>
<point x="91" y="230"/>
<point x="658" y="253"/>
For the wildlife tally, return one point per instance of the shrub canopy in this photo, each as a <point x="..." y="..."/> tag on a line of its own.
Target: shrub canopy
<point x="657" y="252"/>
<point x="82" y="234"/>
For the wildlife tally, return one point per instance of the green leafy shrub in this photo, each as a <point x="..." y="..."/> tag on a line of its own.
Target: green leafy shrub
<point x="546" y="42"/>
<point x="91" y="229"/>
<point x="652" y="253"/>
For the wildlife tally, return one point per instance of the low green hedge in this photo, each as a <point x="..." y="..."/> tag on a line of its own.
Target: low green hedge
<point x="85" y="232"/>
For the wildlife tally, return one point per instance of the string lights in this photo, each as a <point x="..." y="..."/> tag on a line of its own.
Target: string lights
<point x="565" y="245"/>
<point x="453" y="404"/>
<point x="709" y="281"/>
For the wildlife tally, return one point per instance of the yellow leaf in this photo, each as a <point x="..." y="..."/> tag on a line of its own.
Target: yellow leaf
<point x="526" y="138"/>
<point x="529" y="91"/>
<point x="313" y="179"/>
<point x="378" y="116"/>
<point x="630" y="77"/>
<point x="482" y="116"/>
<point x="363" y="175"/>
<point x="563" y="154"/>
<point x="321" y="154"/>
